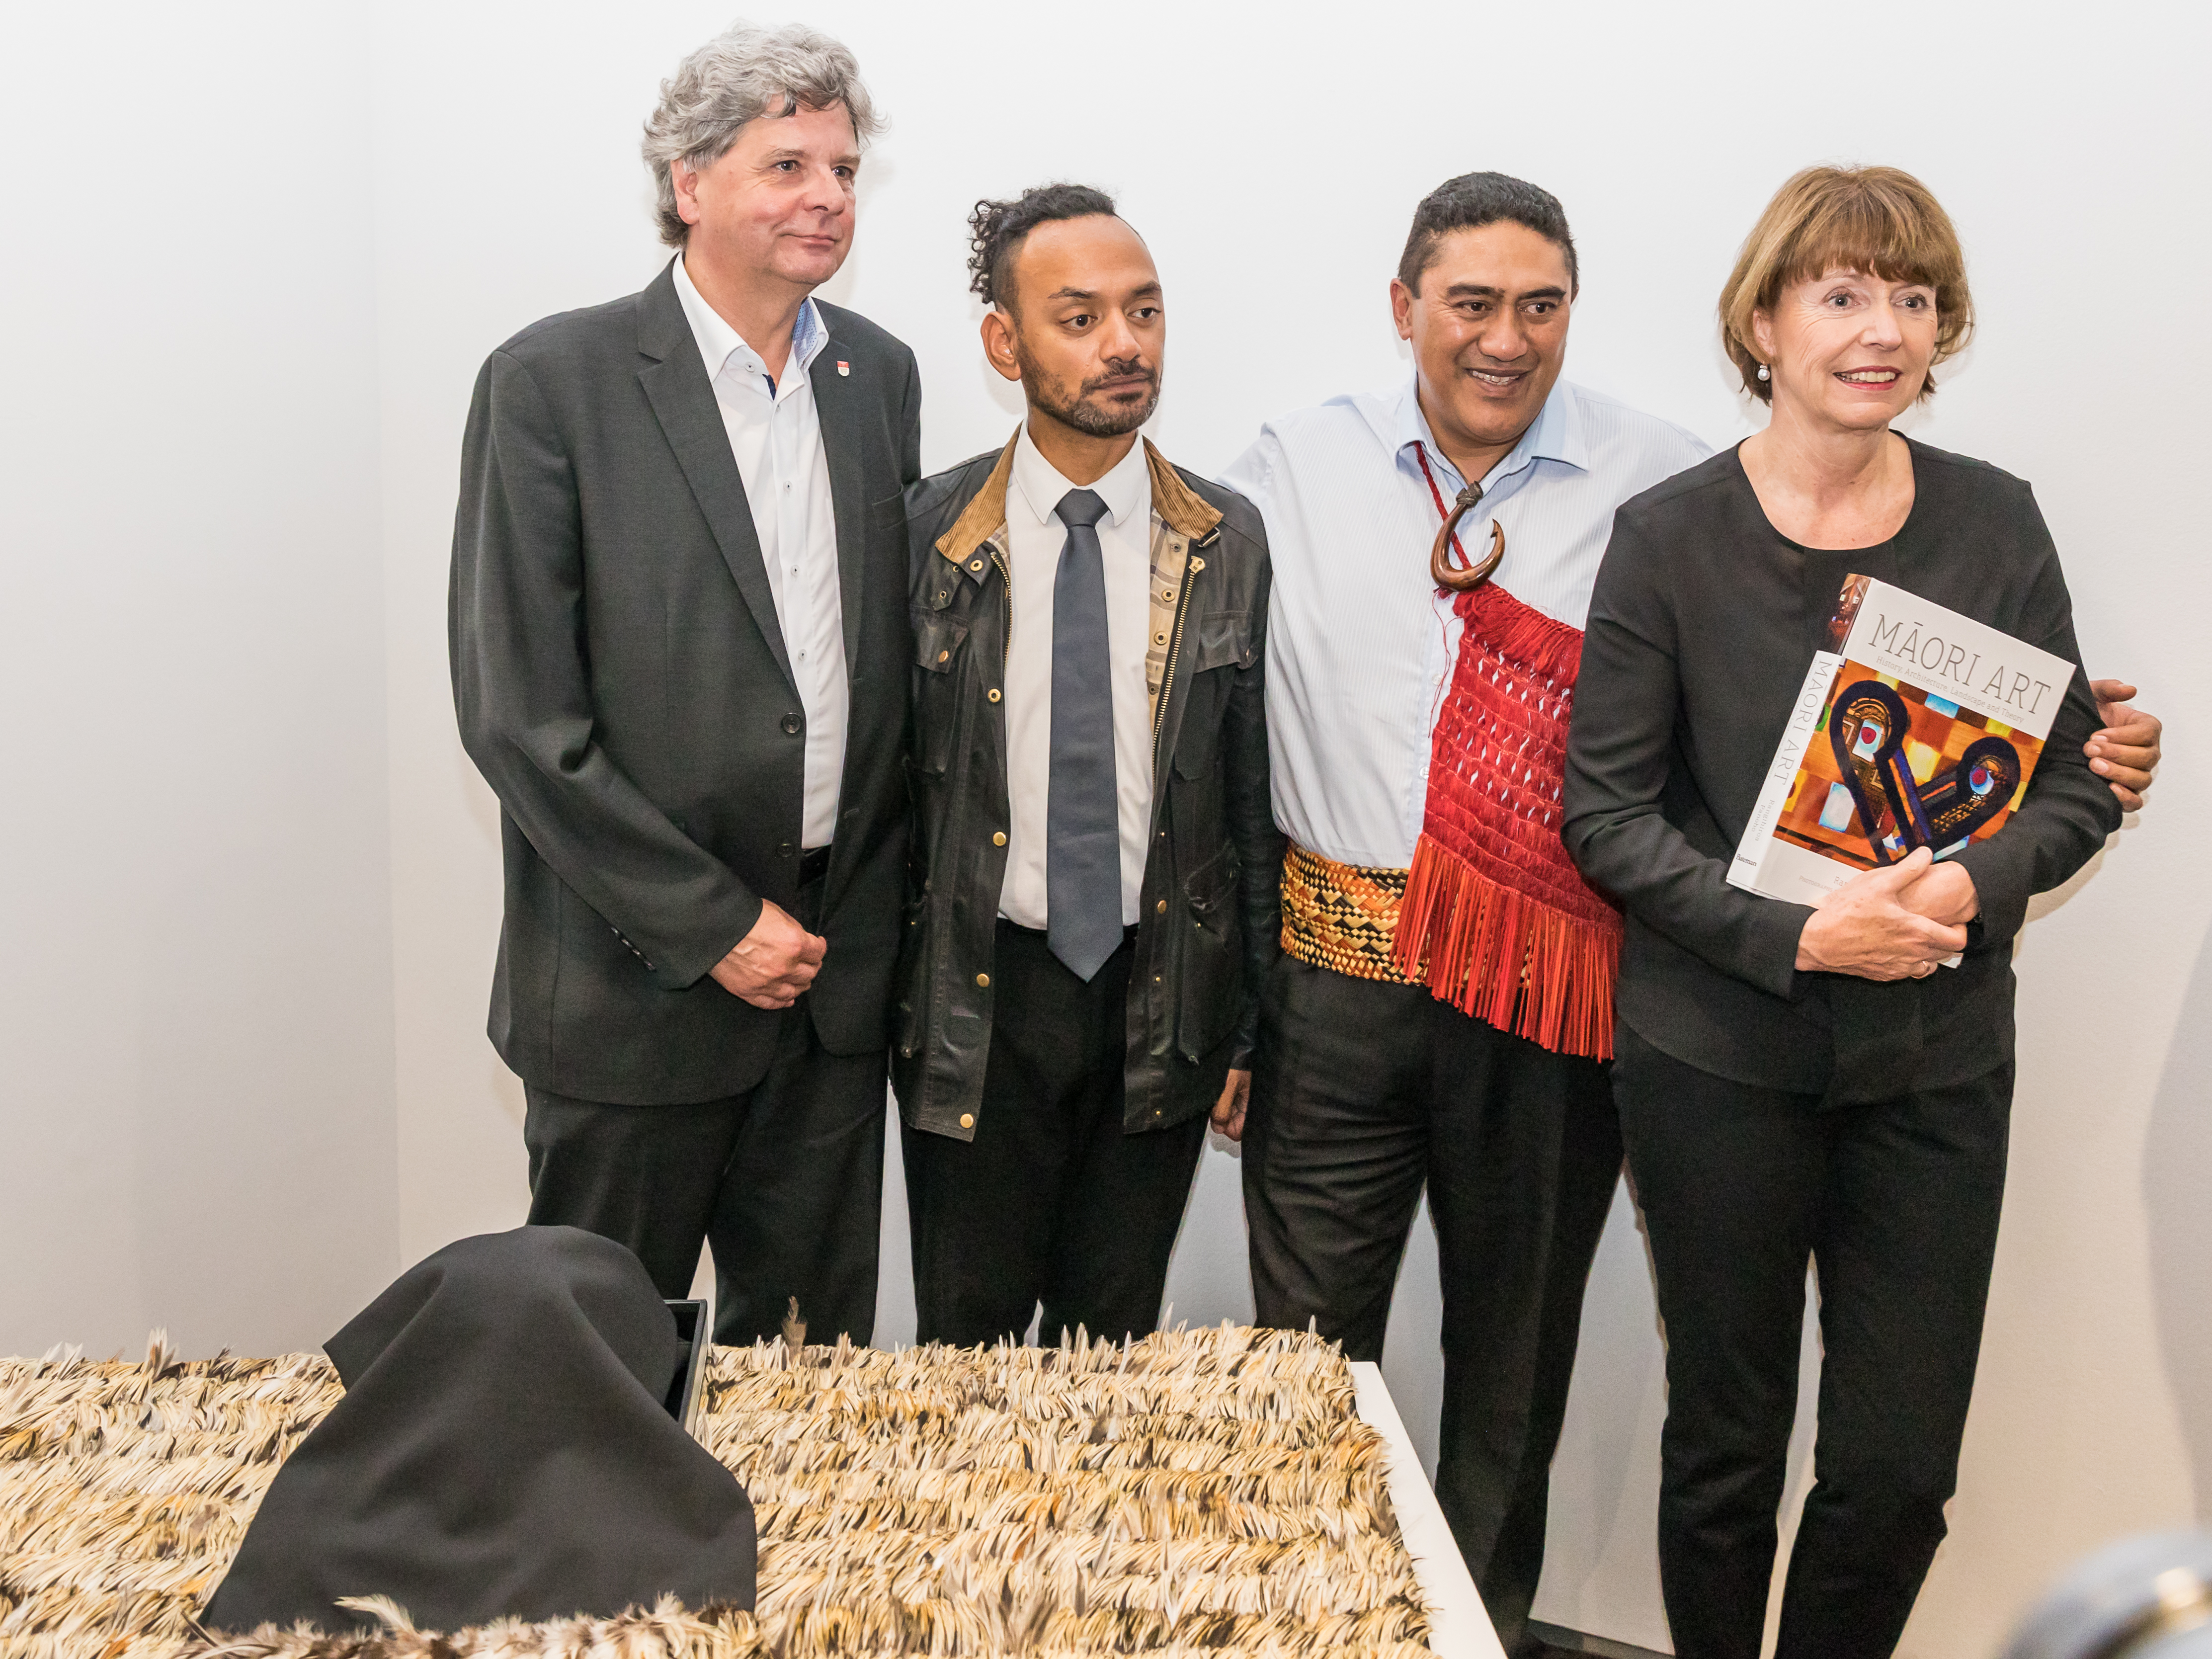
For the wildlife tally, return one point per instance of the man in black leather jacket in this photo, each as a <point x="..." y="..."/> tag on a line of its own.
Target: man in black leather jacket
<point x="1096" y="866"/>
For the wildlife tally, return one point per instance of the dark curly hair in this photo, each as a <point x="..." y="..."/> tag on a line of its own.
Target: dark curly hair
<point x="995" y="230"/>
<point x="1474" y="200"/>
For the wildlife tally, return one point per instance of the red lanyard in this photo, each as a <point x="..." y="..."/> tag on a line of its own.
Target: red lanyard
<point x="1421" y="454"/>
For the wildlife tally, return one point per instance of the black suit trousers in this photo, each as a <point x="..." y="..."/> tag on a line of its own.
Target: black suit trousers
<point x="1363" y="1093"/>
<point x="1054" y="1210"/>
<point x="783" y="1181"/>
<point x="1895" y="1203"/>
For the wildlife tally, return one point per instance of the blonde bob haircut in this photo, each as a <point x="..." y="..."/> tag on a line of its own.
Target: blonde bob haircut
<point x="1882" y="221"/>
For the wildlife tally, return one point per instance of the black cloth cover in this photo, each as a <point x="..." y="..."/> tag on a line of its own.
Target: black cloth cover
<point x="502" y="1448"/>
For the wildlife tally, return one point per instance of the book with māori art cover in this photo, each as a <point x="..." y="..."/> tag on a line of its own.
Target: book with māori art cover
<point x="1916" y="727"/>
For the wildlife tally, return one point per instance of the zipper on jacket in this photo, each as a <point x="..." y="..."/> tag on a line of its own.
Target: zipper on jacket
<point x="1192" y="566"/>
<point x="1006" y="634"/>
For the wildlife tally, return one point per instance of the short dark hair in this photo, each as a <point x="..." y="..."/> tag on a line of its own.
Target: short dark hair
<point x="1474" y="200"/>
<point x="995" y="230"/>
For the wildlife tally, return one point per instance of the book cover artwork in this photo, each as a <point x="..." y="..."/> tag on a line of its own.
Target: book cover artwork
<point x="1916" y="727"/>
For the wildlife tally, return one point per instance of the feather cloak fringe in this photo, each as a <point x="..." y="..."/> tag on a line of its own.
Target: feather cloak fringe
<point x="1209" y="1488"/>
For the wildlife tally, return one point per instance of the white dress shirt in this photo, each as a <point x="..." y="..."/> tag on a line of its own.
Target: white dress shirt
<point x="1360" y="645"/>
<point x="777" y="438"/>
<point x="1036" y="535"/>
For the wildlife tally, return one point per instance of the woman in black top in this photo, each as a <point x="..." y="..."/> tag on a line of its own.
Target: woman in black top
<point x="1795" y="1082"/>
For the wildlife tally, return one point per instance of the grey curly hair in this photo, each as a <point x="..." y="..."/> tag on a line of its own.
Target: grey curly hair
<point x="742" y="74"/>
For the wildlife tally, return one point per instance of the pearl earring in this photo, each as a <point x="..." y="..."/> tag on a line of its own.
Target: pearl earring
<point x="1763" y="374"/>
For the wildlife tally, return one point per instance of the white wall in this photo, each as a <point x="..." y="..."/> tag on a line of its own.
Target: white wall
<point x="196" y="1040"/>
<point x="434" y="177"/>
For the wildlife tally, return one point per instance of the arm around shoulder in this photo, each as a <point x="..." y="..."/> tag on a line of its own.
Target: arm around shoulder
<point x="2068" y="811"/>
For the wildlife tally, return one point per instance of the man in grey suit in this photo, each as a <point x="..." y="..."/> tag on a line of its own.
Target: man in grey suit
<point x="679" y="654"/>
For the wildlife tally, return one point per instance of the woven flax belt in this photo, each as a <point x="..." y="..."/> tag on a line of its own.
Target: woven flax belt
<point x="1343" y="917"/>
<point x="1207" y="1491"/>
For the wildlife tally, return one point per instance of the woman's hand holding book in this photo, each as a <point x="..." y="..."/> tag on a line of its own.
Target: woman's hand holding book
<point x="1899" y="921"/>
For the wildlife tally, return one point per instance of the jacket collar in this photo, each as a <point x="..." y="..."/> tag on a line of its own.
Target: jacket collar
<point x="662" y="327"/>
<point x="1182" y="508"/>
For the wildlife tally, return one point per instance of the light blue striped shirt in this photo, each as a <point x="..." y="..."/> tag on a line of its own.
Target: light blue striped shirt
<point x="1360" y="648"/>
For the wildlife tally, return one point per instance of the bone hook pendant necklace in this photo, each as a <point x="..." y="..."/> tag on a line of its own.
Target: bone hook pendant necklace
<point x="1465" y="575"/>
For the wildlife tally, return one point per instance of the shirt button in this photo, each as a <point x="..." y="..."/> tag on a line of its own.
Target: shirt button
<point x="967" y="1120"/>
<point x="1160" y="908"/>
<point x="997" y="838"/>
<point x="942" y="656"/>
<point x="791" y="724"/>
<point x="983" y="980"/>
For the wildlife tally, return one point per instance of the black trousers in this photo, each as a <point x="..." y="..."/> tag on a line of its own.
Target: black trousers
<point x="1052" y="1202"/>
<point x="1362" y="1092"/>
<point x="783" y="1181"/>
<point x="1896" y="1205"/>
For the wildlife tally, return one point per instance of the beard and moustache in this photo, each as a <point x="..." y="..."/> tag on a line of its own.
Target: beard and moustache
<point x="1078" y="408"/>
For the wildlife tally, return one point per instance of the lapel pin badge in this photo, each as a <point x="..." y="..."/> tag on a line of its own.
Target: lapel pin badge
<point x="844" y="368"/>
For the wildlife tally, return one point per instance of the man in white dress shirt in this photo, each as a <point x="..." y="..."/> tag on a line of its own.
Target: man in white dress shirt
<point x="1369" y="1082"/>
<point x="775" y="438"/>
<point x="1441" y="1016"/>
<point x="1097" y="865"/>
<point x="679" y="657"/>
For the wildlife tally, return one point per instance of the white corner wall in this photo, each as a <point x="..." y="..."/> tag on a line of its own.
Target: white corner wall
<point x="196" y="1040"/>
<point x="253" y="882"/>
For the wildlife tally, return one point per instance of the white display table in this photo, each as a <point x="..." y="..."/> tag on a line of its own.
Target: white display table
<point x="1459" y="1628"/>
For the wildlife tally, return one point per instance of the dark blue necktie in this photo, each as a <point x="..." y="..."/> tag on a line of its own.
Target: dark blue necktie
<point x="1083" y="819"/>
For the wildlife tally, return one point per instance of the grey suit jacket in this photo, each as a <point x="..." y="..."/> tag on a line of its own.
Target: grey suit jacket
<point x="623" y="684"/>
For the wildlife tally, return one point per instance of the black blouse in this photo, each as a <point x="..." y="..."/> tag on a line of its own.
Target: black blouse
<point x="1703" y="622"/>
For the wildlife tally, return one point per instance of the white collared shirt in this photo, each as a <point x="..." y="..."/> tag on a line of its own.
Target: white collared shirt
<point x="1125" y="538"/>
<point x="776" y="436"/>
<point x="1360" y="647"/>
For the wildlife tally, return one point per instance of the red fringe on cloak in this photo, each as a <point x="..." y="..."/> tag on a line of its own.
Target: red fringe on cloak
<point x="1497" y="920"/>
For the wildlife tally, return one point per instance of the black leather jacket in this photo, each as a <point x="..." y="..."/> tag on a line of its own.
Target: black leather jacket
<point x="1210" y="921"/>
